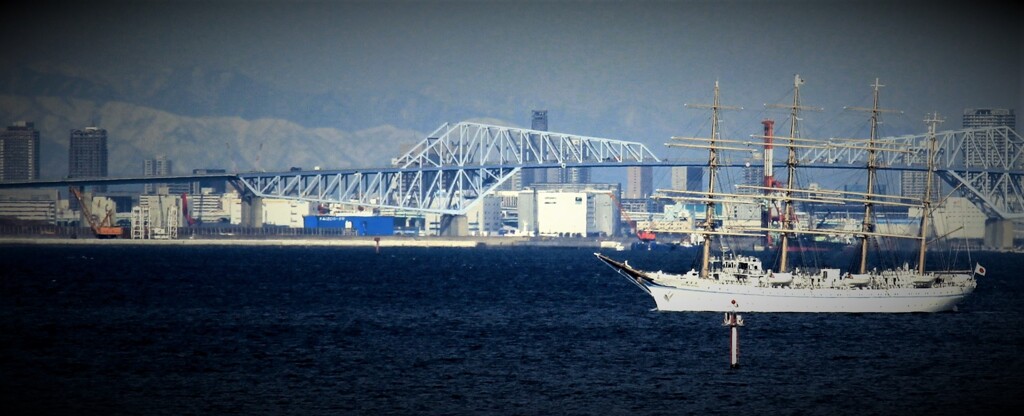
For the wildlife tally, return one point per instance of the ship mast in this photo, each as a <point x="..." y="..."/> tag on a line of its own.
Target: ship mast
<point x="787" y="204"/>
<point x="709" y="215"/>
<point x="926" y="202"/>
<point x="867" y="226"/>
<point x="791" y="163"/>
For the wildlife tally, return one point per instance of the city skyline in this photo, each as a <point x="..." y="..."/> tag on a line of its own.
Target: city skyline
<point x="362" y="79"/>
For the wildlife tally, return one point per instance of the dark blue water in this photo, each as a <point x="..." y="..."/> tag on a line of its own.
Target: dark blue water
<point x="314" y="331"/>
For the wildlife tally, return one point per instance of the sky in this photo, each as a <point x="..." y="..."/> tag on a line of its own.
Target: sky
<point x="615" y="69"/>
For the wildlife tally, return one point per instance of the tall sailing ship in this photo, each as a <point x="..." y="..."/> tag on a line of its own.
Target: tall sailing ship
<point x="728" y="280"/>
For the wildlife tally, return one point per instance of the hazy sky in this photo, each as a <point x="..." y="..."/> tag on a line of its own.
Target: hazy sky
<point x="606" y="69"/>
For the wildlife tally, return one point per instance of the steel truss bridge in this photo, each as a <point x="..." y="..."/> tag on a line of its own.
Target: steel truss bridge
<point x="986" y="164"/>
<point x="450" y="170"/>
<point x="447" y="172"/>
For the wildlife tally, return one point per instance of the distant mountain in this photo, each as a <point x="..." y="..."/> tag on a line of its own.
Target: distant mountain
<point x="204" y="118"/>
<point x="199" y="92"/>
<point x="137" y="132"/>
<point x="201" y="118"/>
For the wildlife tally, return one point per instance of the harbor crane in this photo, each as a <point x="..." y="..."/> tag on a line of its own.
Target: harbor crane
<point x="102" y="228"/>
<point x="645" y="236"/>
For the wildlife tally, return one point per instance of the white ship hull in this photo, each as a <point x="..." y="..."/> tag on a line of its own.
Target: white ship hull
<point x="717" y="297"/>
<point x="888" y="292"/>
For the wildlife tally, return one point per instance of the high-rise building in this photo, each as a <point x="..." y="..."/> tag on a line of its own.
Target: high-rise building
<point x="19" y="152"/>
<point x="912" y="184"/>
<point x="539" y="121"/>
<point x="688" y="178"/>
<point x="87" y="154"/>
<point x="639" y="182"/>
<point x="988" y="117"/>
<point x="753" y="175"/>
<point x="695" y="178"/>
<point x="160" y="166"/>
<point x="527" y="177"/>
<point x="514" y="183"/>
<point x="574" y="175"/>
<point x="678" y="178"/>
<point x="577" y="175"/>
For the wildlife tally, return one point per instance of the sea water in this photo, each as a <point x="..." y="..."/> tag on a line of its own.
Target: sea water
<point x="109" y="330"/>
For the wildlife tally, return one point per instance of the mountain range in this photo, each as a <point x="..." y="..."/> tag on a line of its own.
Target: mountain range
<point x="217" y="120"/>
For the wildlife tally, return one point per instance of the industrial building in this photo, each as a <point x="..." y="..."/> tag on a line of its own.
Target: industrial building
<point x="955" y="218"/>
<point x="286" y="212"/>
<point x="484" y="218"/>
<point x="209" y="207"/>
<point x="569" y="210"/>
<point x="36" y="205"/>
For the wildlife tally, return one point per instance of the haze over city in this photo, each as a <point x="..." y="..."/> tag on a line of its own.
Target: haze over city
<point x="266" y="85"/>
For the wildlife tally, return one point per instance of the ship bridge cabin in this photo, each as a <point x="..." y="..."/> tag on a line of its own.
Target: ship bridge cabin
<point x="741" y="267"/>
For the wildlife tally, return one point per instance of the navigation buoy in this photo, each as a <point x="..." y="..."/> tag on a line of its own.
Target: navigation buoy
<point x="733" y="320"/>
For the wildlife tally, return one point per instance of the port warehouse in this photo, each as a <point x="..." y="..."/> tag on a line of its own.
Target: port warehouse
<point x="360" y="225"/>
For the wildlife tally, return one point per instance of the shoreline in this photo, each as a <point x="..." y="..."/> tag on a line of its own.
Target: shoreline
<point x="353" y="241"/>
<point x="366" y="241"/>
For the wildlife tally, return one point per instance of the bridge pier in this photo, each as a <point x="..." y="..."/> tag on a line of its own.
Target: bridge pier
<point x="252" y="211"/>
<point x="453" y="226"/>
<point x="999" y="233"/>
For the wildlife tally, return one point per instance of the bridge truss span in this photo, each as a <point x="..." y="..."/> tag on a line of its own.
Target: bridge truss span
<point x="987" y="163"/>
<point x="438" y="190"/>
<point x="450" y="170"/>
<point x="474" y="144"/>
